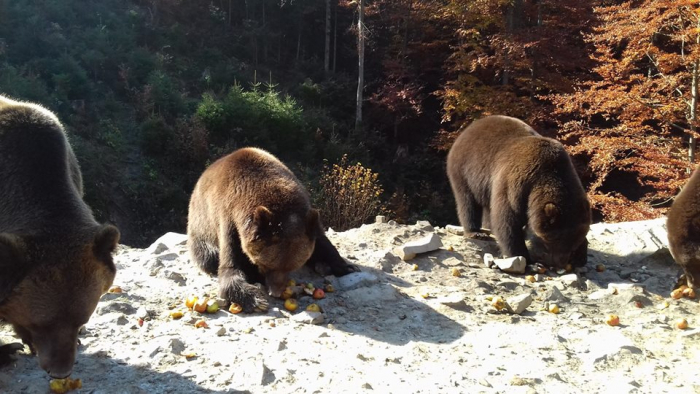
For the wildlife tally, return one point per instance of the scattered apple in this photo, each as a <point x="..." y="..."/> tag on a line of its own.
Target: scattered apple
<point x="689" y="292"/>
<point x="201" y="324"/>
<point x="201" y="305"/>
<point x="613" y="320"/>
<point x="498" y="303"/>
<point x="190" y="301"/>
<point x="212" y="306"/>
<point x="682" y="323"/>
<point x="115" y="289"/>
<point x="176" y="315"/>
<point x="456" y="272"/>
<point x="291" y="283"/>
<point x="600" y="268"/>
<point x="330" y="288"/>
<point x="415" y="267"/>
<point x="677" y="294"/>
<point x="553" y="308"/>
<point x="313" y="308"/>
<point x="319" y="294"/>
<point x="140" y="322"/>
<point x="235" y="308"/>
<point x="568" y="268"/>
<point x="530" y="279"/>
<point x="61" y="386"/>
<point x="287" y="293"/>
<point x="291" y="305"/>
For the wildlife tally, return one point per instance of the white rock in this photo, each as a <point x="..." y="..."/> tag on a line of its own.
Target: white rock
<point x="512" y="265"/>
<point x="569" y="280"/>
<point x="356" y="279"/>
<point x="452" y="229"/>
<point x="626" y="286"/>
<point x="519" y="303"/>
<point x="424" y="225"/>
<point x="455" y="301"/>
<point x="409" y="250"/>
<point x="221" y="331"/>
<point x="380" y="219"/>
<point x="168" y="257"/>
<point x="488" y="260"/>
<point x="308" y="317"/>
<point x="142" y="313"/>
<point x="168" y="241"/>
<point x="600" y="294"/>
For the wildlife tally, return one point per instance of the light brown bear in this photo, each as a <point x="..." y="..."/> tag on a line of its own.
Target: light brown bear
<point x="683" y="226"/>
<point x="55" y="259"/>
<point x="250" y="221"/>
<point x="506" y="176"/>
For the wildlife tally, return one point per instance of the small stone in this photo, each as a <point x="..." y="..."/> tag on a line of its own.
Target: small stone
<point x="307" y="317"/>
<point x="176" y="277"/>
<point x="168" y="257"/>
<point x="512" y="265"/>
<point x="488" y="260"/>
<point x="425" y="226"/>
<point x="569" y="279"/>
<point x="221" y="331"/>
<point x="453" y="262"/>
<point x="355" y="280"/>
<point x="392" y="222"/>
<point x="380" y="219"/>
<point x="142" y="313"/>
<point x="176" y="346"/>
<point x="555" y="295"/>
<point x="454" y="301"/>
<point x="456" y="230"/>
<point x="519" y="303"/>
<point x="167" y="241"/>
<point x="388" y="262"/>
<point x="409" y="250"/>
<point x="122" y="320"/>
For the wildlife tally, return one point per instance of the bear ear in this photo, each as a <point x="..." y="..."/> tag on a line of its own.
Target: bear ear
<point x="551" y="211"/>
<point x="262" y="219"/>
<point x="313" y="224"/>
<point x="12" y="266"/>
<point x="106" y="240"/>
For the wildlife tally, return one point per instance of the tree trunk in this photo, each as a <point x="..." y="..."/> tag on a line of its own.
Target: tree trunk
<point x="301" y="18"/>
<point x="360" y="64"/>
<point x="693" y="111"/>
<point x="327" y="52"/>
<point x="512" y="22"/>
<point x="335" y="34"/>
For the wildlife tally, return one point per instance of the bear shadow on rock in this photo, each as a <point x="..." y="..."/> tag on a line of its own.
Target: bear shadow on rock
<point x="380" y="311"/>
<point x="101" y="374"/>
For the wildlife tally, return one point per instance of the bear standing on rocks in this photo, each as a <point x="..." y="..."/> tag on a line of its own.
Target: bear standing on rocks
<point x="683" y="226"/>
<point x="250" y="221"/>
<point x="55" y="259"/>
<point x="507" y="176"/>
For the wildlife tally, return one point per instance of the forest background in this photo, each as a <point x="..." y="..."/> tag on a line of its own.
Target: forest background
<point x="152" y="91"/>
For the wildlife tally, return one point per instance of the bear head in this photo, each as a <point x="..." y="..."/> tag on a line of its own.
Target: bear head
<point x="56" y="292"/>
<point x="279" y="243"/>
<point x="559" y="233"/>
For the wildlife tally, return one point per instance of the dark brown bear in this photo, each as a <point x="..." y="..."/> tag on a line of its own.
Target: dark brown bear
<point x="683" y="226"/>
<point x="250" y="221"/>
<point x="55" y="259"/>
<point x="507" y="177"/>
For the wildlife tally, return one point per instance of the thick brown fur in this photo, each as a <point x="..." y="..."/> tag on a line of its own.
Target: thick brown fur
<point x="683" y="225"/>
<point x="55" y="259"/>
<point x="506" y="176"/>
<point x="250" y="221"/>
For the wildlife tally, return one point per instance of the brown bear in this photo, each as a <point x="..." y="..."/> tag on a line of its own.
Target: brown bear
<point x="506" y="176"/>
<point x="250" y="221"/>
<point x="55" y="259"/>
<point x="683" y="226"/>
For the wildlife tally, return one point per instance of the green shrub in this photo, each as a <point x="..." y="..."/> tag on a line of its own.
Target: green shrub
<point x="155" y="136"/>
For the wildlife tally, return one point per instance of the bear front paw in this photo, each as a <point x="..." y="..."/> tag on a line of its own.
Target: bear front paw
<point x="7" y="352"/>
<point x="251" y="297"/>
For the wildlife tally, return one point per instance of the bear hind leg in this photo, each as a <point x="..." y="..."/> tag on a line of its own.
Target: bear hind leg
<point x="471" y="215"/>
<point x="326" y="260"/>
<point x="8" y="352"/>
<point x="204" y="254"/>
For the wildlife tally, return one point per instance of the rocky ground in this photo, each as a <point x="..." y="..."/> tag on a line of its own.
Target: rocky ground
<point x="398" y="326"/>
